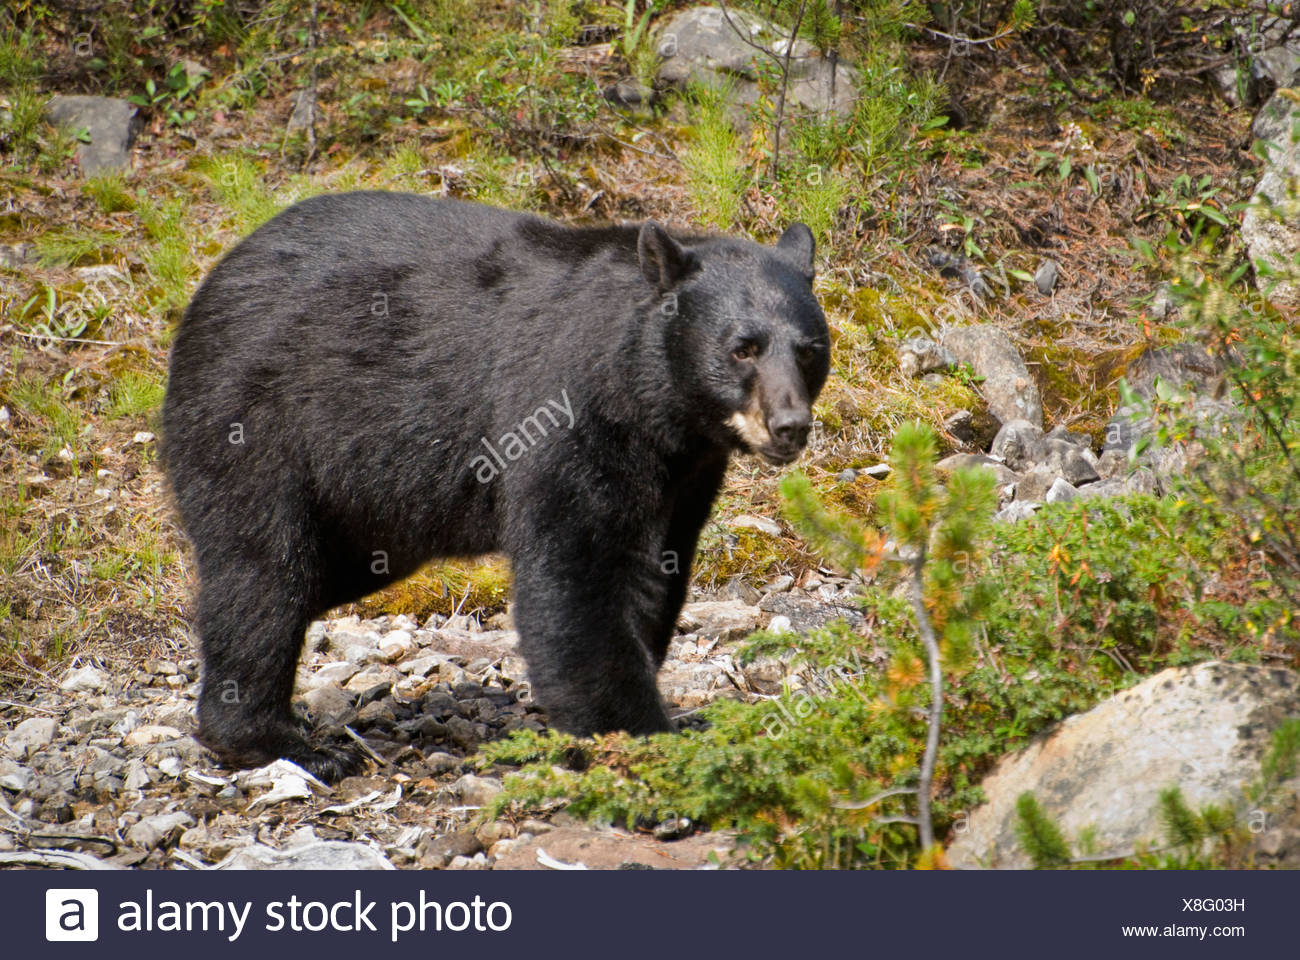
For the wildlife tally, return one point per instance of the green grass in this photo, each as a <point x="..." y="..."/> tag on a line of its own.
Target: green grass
<point x="22" y="127"/>
<point x="167" y="258"/>
<point x="72" y="246"/>
<point x="238" y="186"/>
<point x="716" y="177"/>
<point x="43" y="402"/>
<point x="20" y="61"/>
<point x="406" y="160"/>
<point x="816" y="199"/>
<point x="109" y="193"/>
<point x="134" y="394"/>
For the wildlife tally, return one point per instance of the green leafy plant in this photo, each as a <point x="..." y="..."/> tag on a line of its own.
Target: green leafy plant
<point x="173" y="96"/>
<point x="634" y="30"/>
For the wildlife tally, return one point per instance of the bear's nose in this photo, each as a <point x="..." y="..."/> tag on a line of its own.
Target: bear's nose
<point x="790" y="427"/>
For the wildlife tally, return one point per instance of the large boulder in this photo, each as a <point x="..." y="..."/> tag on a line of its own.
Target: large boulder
<point x="1271" y="226"/>
<point x="1007" y="387"/>
<point x="718" y="49"/>
<point x="110" y="124"/>
<point x="1203" y="729"/>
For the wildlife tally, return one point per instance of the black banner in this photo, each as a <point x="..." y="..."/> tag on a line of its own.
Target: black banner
<point x="650" y="913"/>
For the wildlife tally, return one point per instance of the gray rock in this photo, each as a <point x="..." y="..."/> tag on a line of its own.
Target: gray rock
<point x="1070" y="461"/>
<point x="327" y="703"/>
<point x="31" y="735"/>
<point x="441" y="762"/>
<point x="1103" y="489"/>
<point x="1271" y="225"/>
<point x="136" y="776"/>
<point x="335" y="673"/>
<point x="761" y="524"/>
<point x="85" y="680"/>
<point x="972" y="429"/>
<point x="724" y="619"/>
<point x="474" y="791"/>
<point x="847" y="476"/>
<point x="420" y="666"/>
<point x="920" y="355"/>
<point x="15" y="256"/>
<point x="699" y="45"/>
<point x="1061" y="492"/>
<point x="597" y="848"/>
<point x="1064" y="433"/>
<point x="151" y="733"/>
<point x="1035" y="482"/>
<point x="1280" y="64"/>
<point x="767" y="674"/>
<point x="1186" y="367"/>
<point x="1128" y="426"/>
<point x="442" y="850"/>
<point x="778" y="584"/>
<point x="961" y="425"/>
<point x="629" y="94"/>
<point x="111" y="124"/>
<point x="372" y="677"/>
<point x="1112" y="464"/>
<point x="806" y="614"/>
<point x="15" y="777"/>
<point x="477" y="862"/>
<point x="1202" y="728"/>
<point x="1017" y="443"/>
<point x="1007" y="387"/>
<point x="1046" y="275"/>
<point x="162" y="829"/>
<point x="1138" y="480"/>
<point x="738" y="588"/>
<point x="975" y="461"/>
<point x="877" y="471"/>
<point x="321" y="855"/>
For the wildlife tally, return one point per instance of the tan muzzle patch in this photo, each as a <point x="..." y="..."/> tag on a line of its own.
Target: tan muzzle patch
<point x="749" y="424"/>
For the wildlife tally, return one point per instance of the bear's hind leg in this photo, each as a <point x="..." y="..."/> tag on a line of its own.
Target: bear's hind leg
<point x="251" y="620"/>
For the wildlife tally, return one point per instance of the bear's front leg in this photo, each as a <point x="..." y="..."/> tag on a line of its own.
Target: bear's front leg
<point x="587" y="599"/>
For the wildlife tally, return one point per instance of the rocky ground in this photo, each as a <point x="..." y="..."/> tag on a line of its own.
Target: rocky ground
<point x="100" y="771"/>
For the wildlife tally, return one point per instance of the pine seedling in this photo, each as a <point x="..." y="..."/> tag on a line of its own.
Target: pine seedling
<point x="1039" y="834"/>
<point x="936" y="535"/>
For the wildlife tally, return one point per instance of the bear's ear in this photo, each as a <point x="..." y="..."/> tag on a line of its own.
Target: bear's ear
<point x="797" y="245"/>
<point x="664" y="261"/>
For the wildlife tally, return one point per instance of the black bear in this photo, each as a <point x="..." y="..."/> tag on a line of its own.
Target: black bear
<point x="374" y="379"/>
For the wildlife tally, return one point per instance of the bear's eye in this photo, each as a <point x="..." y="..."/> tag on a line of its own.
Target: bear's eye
<point x="746" y="351"/>
<point x="806" y="352"/>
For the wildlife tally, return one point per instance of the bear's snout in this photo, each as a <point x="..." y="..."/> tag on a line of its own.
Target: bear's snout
<point x="789" y="428"/>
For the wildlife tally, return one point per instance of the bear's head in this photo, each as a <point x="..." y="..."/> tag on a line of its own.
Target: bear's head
<point x="746" y="340"/>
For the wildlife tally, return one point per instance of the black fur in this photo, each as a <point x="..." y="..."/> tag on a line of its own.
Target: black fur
<point x="333" y="382"/>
